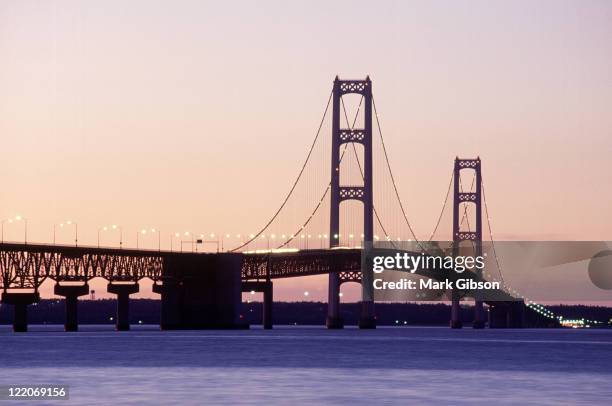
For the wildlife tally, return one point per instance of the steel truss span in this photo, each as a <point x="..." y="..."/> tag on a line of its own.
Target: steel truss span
<point x="302" y="263"/>
<point x="27" y="266"/>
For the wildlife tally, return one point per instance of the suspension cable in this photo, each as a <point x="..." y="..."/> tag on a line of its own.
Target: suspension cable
<point x="363" y="175"/>
<point x="484" y="198"/>
<point x="294" y="183"/>
<point x="450" y="184"/>
<point x="393" y="178"/>
<point x="292" y="237"/>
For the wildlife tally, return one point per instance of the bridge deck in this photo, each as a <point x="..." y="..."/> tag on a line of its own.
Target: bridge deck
<point x="26" y="266"/>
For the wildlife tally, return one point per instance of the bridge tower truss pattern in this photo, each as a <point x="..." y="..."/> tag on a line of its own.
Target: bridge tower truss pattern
<point x="461" y="235"/>
<point x="339" y="193"/>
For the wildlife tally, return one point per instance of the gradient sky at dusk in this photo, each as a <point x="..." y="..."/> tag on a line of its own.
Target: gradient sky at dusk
<point x="191" y="115"/>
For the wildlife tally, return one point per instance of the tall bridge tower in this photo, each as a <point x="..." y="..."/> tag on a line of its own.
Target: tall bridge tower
<point x="461" y="235"/>
<point x="339" y="193"/>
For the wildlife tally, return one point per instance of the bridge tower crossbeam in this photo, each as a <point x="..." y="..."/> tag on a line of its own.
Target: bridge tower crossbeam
<point x="339" y="193"/>
<point x="461" y="236"/>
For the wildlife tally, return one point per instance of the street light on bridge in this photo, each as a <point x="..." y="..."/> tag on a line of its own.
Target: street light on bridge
<point x="172" y="237"/>
<point x="99" y="229"/>
<point x="144" y="231"/>
<point x="115" y="227"/>
<point x="2" y="222"/>
<point x="76" y="232"/>
<point x="25" y="229"/>
<point x="11" y="221"/>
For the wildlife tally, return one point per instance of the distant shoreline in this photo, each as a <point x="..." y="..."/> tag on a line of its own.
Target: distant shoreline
<point x="147" y="312"/>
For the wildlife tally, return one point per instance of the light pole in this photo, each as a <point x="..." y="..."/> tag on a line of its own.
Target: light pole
<point x="213" y="241"/>
<point x="54" y="232"/>
<point x="172" y="241"/>
<point x="154" y="230"/>
<point x="187" y="234"/>
<point x="25" y="228"/>
<point x="226" y="236"/>
<point x="76" y="231"/>
<point x="11" y="221"/>
<point x="101" y="229"/>
<point x="3" y="221"/>
<point x="115" y="227"/>
<point x="239" y="239"/>
<point x="203" y="241"/>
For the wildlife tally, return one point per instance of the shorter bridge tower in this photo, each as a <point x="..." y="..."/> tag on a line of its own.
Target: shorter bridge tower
<point x="461" y="234"/>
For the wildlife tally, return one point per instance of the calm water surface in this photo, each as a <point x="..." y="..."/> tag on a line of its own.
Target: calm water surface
<point x="299" y="365"/>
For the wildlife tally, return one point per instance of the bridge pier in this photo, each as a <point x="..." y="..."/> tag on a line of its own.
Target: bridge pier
<point x="71" y="294"/>
<point x="367" y="319"/>
<point x="516" y="318"/>
<point x="267" y="306"/>
<point x="123" y="292"/>
<point x="498" y="316"/>
<point x="20" y="302"/>
<point x="479" y="315"/>
<point x="172" y="297"/>
<point x="334" y="321"/>
<point x="455" y="321"/>
<point x="201" y="291"/>
<point x="507" y="314"/>
<point x="267" y="288"/>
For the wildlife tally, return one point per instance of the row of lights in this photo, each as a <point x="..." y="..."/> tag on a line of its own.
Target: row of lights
<point x="273" y="236"/>
<point x="531" y="304"/>
<point x="15" y="219"/>
<point x="176" y="234"/>
<point x="220" y="238"/>
<point x="306" y="293"/>
<point x="538" y="308"/>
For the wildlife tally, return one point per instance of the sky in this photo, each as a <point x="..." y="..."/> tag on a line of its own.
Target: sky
<point x="196" y="116"/>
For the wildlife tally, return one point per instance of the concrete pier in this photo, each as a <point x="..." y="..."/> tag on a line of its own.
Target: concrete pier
<point x="267" y="306"/>
<point x="334" y="321"/>
<point x="367" y="319"/>
<point x="201" y="291"/>
<point x="507" y="314"/>
<point x="455" y="321"/>
<point x="20" y="302"/>
<point x="267" y="288"/>
<point x="123" y="292"/>
<point x="71" y="294"/>
<point x="171" y="298"/>
<point x="479" y="315"/>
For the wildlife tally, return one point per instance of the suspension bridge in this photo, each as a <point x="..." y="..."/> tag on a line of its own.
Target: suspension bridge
<point x="204" y="290"/>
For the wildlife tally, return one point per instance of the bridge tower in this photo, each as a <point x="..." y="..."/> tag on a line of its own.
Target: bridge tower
<point x="339" y="193"/>
<point x="461" y="235"/>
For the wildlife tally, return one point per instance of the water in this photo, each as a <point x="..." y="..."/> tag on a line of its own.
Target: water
<point x="300" y="365"/>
